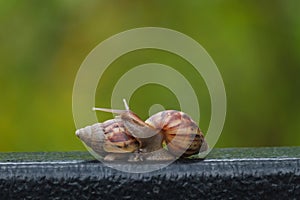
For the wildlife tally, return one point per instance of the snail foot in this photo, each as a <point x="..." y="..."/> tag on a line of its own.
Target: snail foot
<point x="115" y="156"/>
<point x="158" y="155"/>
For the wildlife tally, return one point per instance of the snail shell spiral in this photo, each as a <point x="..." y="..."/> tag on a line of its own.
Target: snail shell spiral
<point x="181" y="134"/>
<point x="109" y="136"/>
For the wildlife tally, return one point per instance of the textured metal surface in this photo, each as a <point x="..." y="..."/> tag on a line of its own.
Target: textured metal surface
<point x="237" y="173"/>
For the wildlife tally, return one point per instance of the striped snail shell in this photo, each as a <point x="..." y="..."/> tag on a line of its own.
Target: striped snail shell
<point x="109" y="136"/>
<point x="182" y="135"/>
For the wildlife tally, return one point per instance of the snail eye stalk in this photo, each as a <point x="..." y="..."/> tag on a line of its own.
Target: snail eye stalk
<point x="114" y="110"/>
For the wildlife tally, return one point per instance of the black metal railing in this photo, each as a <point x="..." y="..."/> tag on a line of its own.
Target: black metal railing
<point x="230" y="173"/>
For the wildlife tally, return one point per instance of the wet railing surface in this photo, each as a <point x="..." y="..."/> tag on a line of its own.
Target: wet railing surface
<point x="230" y="173"/>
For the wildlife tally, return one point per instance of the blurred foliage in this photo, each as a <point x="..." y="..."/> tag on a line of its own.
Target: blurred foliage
<point x="255" y="44"/>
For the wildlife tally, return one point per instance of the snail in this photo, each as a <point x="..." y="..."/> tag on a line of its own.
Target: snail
<point x="115" y="138"/>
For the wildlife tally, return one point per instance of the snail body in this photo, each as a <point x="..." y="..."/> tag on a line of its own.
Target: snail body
<point x="127" y="133"/>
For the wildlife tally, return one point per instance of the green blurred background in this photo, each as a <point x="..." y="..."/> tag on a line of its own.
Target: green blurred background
<point x="255" y="44"/>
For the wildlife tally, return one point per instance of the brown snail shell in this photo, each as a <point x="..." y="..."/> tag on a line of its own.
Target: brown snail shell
<point x="181" y="134"/>
<point x="109" y="136"/>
